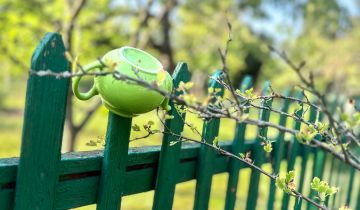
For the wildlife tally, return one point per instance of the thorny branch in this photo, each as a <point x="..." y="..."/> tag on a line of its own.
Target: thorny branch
<point x="310" y="86"/>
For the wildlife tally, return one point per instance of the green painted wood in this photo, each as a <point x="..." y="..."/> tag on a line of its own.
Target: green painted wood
<point x="237" y="145"/>
<point x="351" y="187"/>
<point x="331" y="174"/>
<point x="111" y="185"/>
<point x="169" y="156"/>
<point x="297" y="205"/>
<point x="294" y="151"/>
<point x="206" y="154"/>
<point x="258" y="154"/>
<point x="80" y="171"/>
<point x="339" y="182"/>
<point x="318" y="169"/>
<point x="358" y="198"/>
<point x="305" y="153"/>
<point x="319" y="161"/>
<point x="43" y="128"/>
<point x="278" y="152"/>
<point x="304" y="160"/>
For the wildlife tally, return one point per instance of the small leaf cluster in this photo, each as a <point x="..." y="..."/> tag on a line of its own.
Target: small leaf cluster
<point x="147" y="127"/>
<point x="216" y="142"/>
<point x="93" y="143"/>
<point x="247" y="94"/>
<point x="286" y="183"/>
<point x="268" y="147"/>
<point x="350" y="121"/>
<point x="306" y="135"/>
<point x="322" y="188"/>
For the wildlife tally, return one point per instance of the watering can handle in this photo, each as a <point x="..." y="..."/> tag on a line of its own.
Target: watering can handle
<point x="76" y="80"/>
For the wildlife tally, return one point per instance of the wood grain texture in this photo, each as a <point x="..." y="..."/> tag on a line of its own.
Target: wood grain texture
<point x="207" y="155"/>
<point x="169" y="155"/>
<point x="236" y="147"/>
<point x="112" y="179"/>
<point x="43" y="128"/>
<point x="258" y="154"/>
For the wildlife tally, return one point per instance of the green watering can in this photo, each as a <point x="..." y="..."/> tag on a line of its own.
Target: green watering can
<point x="123" y="97"/>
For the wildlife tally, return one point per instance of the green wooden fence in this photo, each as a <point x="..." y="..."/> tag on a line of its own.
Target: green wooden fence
<point x="43" y="178"/>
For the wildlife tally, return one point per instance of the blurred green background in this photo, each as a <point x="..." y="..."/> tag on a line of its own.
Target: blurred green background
<point x="324" y="33"/>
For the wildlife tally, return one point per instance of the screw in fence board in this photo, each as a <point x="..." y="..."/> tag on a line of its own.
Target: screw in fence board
<point x="44" y="117"/>
<point x="278" y="152"/>
<point x="169" y="155"/>
<point x="294" y="151"/>
<point x="237" y="145"/>
<point x="258" y="154"/>
<point x="111" y="185"/>
<point x="204" y="170"/>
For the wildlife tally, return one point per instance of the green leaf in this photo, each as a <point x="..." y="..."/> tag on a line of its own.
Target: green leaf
<point x="331" y="190"/>
<point x="289" y="176"/>
<point x="135" y="127"/>
<point x="268" y="147"/>
<point x="216" y="142"/>
<point x="280" y="183"/>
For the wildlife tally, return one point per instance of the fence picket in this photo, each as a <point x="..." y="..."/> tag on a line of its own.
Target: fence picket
<point x="358" y="198"/>
<point x="304" y="159"/>
<point x="44" y="117"/>
<point x="111" y="185"/>
<point x="205" y="168"/>
<point x="258" y="153"/>
<point x="350" y="187"/>
<point x="234" y="166"/>
<point x="169" y="155"/>
<point x="294" y="151"/>
<point x="278" y="152"/>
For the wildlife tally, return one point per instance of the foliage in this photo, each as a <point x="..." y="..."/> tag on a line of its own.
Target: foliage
<point x="322" y="188"/>
<point x="286" y="183"/>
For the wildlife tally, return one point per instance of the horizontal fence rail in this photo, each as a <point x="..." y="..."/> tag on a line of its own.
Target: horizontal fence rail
<point x="80" y="172"/>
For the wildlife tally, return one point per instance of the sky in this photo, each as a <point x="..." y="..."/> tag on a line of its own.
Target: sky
<point x="280" y="26"/>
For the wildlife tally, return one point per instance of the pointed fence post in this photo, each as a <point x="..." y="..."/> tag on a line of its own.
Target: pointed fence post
<point x="294" y="150"/>
<point x="258" y="152"/>
<point x="44" y="117"/>
<point x="237" y="145"/>
<point x="204" y="170"/>
<point x="279" y="148"/>
<point x="113" y="168"/>
<point x="169" y="156"/>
